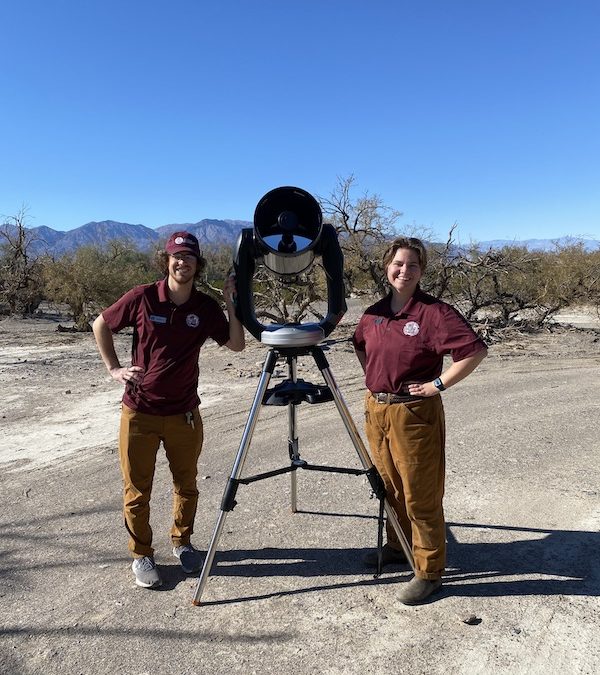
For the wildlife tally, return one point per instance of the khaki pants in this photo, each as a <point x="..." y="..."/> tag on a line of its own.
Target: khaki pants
<point x="407" y="447"/>
<point x="139" y="438"/>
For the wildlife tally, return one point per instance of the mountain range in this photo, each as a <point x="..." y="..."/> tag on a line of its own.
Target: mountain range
<point x="210" y="233"/>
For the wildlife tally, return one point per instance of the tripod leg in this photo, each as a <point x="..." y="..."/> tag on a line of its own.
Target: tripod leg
<point x="228" y="502"/>
<point x="359" y="446"/>
<point x="380" y="538"/>
<point x="292" y="437"/>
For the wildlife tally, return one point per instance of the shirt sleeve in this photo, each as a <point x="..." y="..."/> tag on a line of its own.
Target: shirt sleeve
<point x="358" y="338"/>
<point x="123" y="312"/>
<point x="455" y="335"/>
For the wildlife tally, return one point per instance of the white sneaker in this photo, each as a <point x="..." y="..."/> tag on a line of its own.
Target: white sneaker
<point x="146" y="574"/>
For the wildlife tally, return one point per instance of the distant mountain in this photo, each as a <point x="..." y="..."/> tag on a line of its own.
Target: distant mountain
<point x="99" y="234"/>
<point x="541" y="244"/>
<point x="209" y="232"/>
<point x="46" y="236"/>
<point x="212" y="232"/>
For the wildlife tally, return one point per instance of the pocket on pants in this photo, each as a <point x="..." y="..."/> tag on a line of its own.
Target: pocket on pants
<point x="419" y="411"/>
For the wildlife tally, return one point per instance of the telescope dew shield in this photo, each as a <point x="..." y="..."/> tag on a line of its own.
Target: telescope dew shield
<point x="287" y="227"/>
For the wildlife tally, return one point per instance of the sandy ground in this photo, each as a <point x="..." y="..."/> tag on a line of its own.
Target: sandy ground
<point x="289" y="592"/>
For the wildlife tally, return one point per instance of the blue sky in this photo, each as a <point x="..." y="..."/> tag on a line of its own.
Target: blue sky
<point x="480" y="112"/>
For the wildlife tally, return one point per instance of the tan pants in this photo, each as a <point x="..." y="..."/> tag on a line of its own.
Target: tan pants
<point x="407" y="447"/>
<point x="139" y="438"/>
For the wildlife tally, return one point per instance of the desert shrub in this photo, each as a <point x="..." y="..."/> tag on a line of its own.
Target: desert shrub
<point x="513" y="285"/>
<point x="92" y="278"/>
<point x="575" y="274"/>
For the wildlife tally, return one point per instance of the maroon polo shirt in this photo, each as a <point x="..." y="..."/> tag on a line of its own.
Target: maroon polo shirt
<point x="166" y="343"/>
<point x="410" y="346"/>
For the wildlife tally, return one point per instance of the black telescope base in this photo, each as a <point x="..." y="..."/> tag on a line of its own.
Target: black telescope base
<point x="291" y="393"/>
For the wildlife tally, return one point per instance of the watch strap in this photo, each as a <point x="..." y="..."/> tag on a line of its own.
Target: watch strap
<point x="438" y="384"/>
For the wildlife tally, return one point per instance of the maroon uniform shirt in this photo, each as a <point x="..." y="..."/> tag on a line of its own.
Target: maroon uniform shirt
<point x="166" y="343"/>
<point x="410" y="346"/>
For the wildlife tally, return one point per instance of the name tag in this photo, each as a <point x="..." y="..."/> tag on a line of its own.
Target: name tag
<point x="158" y="319"/>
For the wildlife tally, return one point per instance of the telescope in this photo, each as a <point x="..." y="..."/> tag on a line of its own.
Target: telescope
<point x="287" y="236"/>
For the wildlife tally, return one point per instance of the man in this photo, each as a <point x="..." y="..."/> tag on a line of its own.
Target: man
<point x="171" y="321"/>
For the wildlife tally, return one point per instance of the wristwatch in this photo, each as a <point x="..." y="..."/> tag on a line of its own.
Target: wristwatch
<point x="438" y="384"/>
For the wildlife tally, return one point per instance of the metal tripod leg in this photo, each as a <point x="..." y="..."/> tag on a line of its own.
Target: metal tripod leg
<point x="292" y="437"/>
<point x="360" y="446"/>
<point x="228" y="501"/>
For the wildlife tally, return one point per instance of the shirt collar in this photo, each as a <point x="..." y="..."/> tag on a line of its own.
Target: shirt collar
<point x="163" y="291"/>
<point x="163" y="294"/>
<point x="410" y="307"/>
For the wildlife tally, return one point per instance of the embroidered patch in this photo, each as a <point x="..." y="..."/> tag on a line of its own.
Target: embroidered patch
<point x="412" y="328"/>
<point x="184" y="240"/>
<point x="192" y="321"/>
<point x="158" y="319"/>
<point x="378" y="320"/>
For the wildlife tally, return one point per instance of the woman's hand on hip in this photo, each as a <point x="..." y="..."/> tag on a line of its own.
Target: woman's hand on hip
<point x="423" y="389"/>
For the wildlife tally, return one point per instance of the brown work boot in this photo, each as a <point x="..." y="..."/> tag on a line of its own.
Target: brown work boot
<point x="417" y="590"/>
<point x="389" y="556"/>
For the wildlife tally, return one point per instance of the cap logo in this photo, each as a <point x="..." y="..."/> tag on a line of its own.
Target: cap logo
<point x="184" y="240"/>
<point x="412" y="328"/>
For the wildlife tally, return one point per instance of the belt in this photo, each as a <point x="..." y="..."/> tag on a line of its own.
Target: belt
<point x="383" y="397"/>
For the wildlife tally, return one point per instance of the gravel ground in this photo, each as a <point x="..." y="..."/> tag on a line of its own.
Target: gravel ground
<point x="289" y="592"/>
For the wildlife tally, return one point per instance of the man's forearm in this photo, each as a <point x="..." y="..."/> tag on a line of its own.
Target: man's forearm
<point x="237" y="339"/>
<point x="105" y="342"/>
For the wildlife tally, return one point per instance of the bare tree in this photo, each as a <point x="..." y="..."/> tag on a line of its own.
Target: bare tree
<point x="364" y="225"/>
<point x="20" y="274"/>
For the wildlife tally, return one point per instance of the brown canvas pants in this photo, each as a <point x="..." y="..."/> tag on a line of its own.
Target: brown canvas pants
<point x="139" y="438"/>
<point x="407" y="446"/>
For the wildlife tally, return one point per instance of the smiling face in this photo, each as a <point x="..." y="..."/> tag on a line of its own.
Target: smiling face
<point x="404" y="272"/>
<point x="182" y="267"/>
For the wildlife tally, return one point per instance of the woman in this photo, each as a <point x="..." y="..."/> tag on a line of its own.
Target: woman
<point x="400" y="342"/>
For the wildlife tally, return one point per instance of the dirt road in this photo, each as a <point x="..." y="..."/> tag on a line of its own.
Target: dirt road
<point x="289" y="592"/>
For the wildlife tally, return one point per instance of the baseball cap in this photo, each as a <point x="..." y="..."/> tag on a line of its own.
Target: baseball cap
<point x="183" y="242"/>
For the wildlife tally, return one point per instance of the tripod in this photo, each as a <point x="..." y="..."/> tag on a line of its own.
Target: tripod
<point x="292" y="392"/>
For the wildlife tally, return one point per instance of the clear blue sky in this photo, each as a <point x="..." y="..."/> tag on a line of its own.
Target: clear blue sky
<point x="483" y="112"/>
